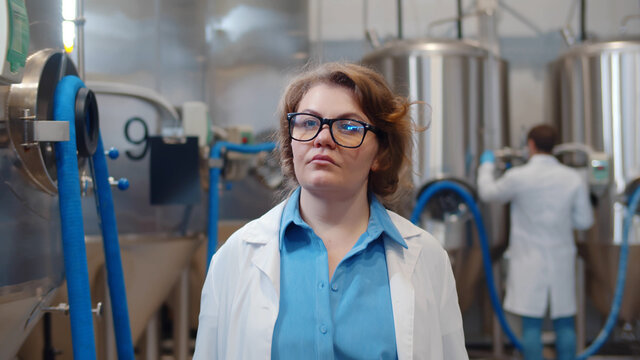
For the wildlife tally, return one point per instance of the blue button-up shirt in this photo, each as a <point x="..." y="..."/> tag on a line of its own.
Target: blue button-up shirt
<point x="348" y="316"/>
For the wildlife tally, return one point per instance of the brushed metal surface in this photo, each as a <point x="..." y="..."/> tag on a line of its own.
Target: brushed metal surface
<point x="601" y="274"/>
<point x="594" y="92"/>
<point x="33" y="100"/>
<point x="465" y="89"/>
<point x="31" y="265"/>
<point x="251" y="47"/>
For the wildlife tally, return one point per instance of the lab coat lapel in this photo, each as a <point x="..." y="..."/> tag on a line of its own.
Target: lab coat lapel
<point x="401" y="265"/>
<point x="267" y="259"/>
<point x="266" y="256"/>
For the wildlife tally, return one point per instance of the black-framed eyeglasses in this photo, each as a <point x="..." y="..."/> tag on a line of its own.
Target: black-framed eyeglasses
<point x="347" y="133"/>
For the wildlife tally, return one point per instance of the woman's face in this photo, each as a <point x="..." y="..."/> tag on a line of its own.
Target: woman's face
<point x="323" y="167"/>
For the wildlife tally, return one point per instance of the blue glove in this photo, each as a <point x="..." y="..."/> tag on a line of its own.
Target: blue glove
<point x="487" y="156"/>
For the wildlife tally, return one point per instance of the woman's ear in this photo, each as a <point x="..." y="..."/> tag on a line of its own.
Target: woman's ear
<point x="375" y="166"/>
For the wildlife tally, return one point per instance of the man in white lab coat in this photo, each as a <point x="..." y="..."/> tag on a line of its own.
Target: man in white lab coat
<point x="548" y="200"/>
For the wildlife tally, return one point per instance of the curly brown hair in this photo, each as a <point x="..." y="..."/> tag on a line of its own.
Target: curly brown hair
<point x="385" y="110"/>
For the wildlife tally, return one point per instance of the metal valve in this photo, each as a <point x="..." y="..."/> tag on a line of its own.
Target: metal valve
<point x="122" y="183"/>
<point x="64" y="309"/>
<point x="112" y="153"/>
<point x="86" y="184"/>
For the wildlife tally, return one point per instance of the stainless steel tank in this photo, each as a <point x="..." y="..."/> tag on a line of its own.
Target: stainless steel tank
<point x="594" y="93"/>
<point x="465" y="88"/>
<point x="31" y="263"/>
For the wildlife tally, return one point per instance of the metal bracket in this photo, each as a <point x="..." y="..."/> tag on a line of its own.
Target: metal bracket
<point x="62" y="308"/>
<point x="98" y="311"/>
<point x="45" y="130"/>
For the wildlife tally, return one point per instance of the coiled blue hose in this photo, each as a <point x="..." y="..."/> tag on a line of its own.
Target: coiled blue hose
<point x="75" y="255"/>
<point x="76" y="271"/>
<point x="424" y="198"/>
<point x="632" y="207"/>
<point x="214" y="178"/>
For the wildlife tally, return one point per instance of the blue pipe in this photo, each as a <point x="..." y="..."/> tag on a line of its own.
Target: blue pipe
<point x="64" y="109"/>
<point x="75" y="255"/>
<point x="424" y="198"/>
<point x="632" y="207"/>
<point x="214" y="178"/>
<point x="115" y="274"/>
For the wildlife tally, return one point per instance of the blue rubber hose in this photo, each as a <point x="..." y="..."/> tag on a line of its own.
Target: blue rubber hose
<point x="424" y="198"/>
<point x="75" y="255"/>
<point x="115" y="274"/>
<point x="622" y="273"/>
<point x="214" y="178"/>
<point x="486" y="260"/>
<point x="64" y="108"/>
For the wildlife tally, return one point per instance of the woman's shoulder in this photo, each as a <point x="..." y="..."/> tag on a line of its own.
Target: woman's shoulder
<point x="415" y="235"/>
<point x="238" y="250"/>
<point x="258" y="231"/>
<point x="424" y="253"/>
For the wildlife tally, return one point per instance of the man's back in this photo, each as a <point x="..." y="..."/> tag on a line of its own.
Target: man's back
<point x="548" y="200"/>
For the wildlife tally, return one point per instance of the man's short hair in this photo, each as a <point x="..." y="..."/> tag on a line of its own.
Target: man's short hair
<point x="544" y="137"/>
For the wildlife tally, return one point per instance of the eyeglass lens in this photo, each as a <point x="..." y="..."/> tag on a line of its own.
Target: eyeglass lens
<point x="345" y="132"/>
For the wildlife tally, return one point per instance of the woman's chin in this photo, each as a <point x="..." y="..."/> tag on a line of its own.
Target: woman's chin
<point x="329" y="187"/>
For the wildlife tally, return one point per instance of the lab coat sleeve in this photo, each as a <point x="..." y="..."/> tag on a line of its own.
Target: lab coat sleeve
<point x="501" y="190"/>
<point x="208" y="321"/>
<point x="208" y="339"/>
<point x="582" y="212"/>
<point x="453" y="346"/>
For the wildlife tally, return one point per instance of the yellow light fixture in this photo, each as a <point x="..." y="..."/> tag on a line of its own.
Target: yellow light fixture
<point x="68" y="25"/>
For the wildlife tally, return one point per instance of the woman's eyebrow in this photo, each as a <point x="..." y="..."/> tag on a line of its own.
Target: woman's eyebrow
<point x="351" y="115"/>
<point x="310" y="111"/>
<point x="346" y="115"/>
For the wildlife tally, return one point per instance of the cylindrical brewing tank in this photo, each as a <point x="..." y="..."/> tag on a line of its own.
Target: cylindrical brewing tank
<point x="594" y="93"/>
<point x="31" y="264"/>
<point x="464" y="87"/>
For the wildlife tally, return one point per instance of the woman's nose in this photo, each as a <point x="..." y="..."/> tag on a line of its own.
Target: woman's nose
<point x="324" y="137"/>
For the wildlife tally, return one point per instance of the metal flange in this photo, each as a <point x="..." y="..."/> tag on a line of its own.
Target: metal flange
<point x="31" y="129"/>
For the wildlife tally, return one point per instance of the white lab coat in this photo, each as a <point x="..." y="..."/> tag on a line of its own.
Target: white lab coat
<point x="548" y="200"/>
<point x="240" y="297"/>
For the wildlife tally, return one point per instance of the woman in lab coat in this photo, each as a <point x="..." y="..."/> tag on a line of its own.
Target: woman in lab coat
<point x="548" y="200"/>
<point x="329" y="272"/>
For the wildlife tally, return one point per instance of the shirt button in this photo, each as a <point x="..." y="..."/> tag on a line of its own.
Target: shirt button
<point x="323" y="329"/>
<point x="334" y="287"/>
<point x="321" y="284"/>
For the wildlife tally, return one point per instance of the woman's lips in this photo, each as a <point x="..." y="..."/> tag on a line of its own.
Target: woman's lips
<point x="322" y="159"/>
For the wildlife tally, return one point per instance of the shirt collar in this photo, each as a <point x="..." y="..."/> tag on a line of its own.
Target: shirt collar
<point x="379" y="217"/>
<point x="291" y="215"/>
<point x="379" y="220"/>
<point x="543" y="158"/>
